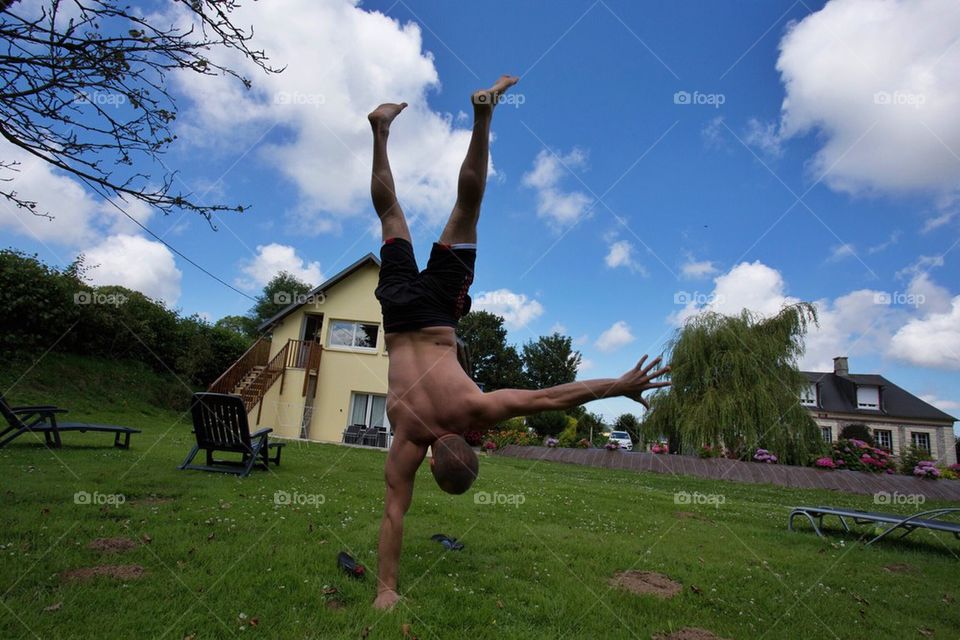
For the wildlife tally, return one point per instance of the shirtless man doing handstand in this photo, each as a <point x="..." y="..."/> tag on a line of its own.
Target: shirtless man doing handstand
<point x="431" y="401"/>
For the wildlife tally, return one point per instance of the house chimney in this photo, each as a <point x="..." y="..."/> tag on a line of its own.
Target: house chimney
<point x="840" y="366"/>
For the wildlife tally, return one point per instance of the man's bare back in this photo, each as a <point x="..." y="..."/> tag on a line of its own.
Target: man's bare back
<point x="431" y="401"/>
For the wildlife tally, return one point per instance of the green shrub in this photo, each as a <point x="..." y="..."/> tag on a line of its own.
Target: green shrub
<point x="856" y="431"/>
<point x="568" y="436"/>
<point x="548" y="423"/>
<point x="910" y="457"/>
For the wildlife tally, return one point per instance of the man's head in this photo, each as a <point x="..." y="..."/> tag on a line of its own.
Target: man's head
<point x="454" y="464"/>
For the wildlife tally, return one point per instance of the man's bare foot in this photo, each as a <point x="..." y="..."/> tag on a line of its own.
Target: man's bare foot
<point x="386" y="600"/>
<point x="490" y="97"/>
<point x="382" y="116"/>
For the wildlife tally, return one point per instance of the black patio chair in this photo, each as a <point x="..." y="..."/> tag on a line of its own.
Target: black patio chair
<point x="220" y="424"/>
<point x="43" y="419"/>
<point x="351" y="435"/>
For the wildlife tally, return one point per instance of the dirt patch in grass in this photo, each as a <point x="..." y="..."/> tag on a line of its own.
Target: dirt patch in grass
<point x="689" y="633"/>
<point x="690" y="515"/>
<point x="151" y="501"/>
<point x="111" y="545"/>
<point x="900" y="567"/>
<point x="122" y="572"/>
<point x="646" y="583"/>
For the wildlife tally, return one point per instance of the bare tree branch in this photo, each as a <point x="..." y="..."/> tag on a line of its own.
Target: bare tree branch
<point x="83" y="87"/>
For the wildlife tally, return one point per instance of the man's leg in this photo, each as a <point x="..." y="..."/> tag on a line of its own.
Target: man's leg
<point x="382" y="189"/>
<point x="462" y="225"/>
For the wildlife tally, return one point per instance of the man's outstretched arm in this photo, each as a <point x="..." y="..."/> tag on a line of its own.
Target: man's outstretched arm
<point x="402" y="463"/>
<point x="496" y="406"/>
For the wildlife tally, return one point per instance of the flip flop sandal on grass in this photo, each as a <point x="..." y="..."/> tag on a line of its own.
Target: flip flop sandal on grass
<point x="450" y="544"/>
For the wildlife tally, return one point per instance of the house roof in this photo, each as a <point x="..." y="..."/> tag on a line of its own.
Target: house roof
<point x="323" y="286"/>
<point x="839" y="393"/>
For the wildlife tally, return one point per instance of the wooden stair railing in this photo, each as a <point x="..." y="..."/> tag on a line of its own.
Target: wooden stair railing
<point x="256" y="356"/>
<point x="253" y="393"/>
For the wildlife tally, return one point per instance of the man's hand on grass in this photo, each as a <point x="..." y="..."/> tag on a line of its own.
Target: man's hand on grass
<point x="386" y="600"/>
<point x="641" y="378"/>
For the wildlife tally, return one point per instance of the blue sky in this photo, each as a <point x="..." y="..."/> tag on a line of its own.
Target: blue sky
<point x="656" y="159"/>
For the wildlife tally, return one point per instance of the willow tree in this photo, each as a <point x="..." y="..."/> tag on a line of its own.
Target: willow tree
<point x="735" y="382"/>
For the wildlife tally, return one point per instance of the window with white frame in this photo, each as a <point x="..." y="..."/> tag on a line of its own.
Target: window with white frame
<point x="808" y="395"/>
<point x="826" y="433"/>
<point x="353" y="335"/>
<point x="884" y="439"/>
<point x="368" y="409"/>
<point x="868" y="397"/>
<point x="921" y="440"/>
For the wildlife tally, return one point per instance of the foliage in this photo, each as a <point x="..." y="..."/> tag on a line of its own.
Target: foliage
<point x="474" y="438"/>
<point x="512" y="424"/>
<point x="244" y="326"/>
<point x="735" y="381"/>
<point x="522" y="438"/>
<point x="911" y="457"/>
<point x="549" y="361"/>
<point x="710" y="451"/>
<point x="550" y="442"/>
<point x="583" y="443"/>
<point x="86" y="89"/>
<point x="660" y="448"/>
<point x="282" y="290"/>
<point x="857" y="455"/>
<point x="548" y="423"/>
<point x="590" y="426"/>
<point x="611" y="445"/>
<point x="496" y="365"/>
<point x="568" y="437"/>
<point x="69" y="316"/>
<point x="857" y="431"/>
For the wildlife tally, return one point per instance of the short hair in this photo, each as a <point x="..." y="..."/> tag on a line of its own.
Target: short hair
<point x="455" y="465"/>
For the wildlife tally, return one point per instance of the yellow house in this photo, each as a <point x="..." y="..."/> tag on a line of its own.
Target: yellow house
<point x="321" y="363"/>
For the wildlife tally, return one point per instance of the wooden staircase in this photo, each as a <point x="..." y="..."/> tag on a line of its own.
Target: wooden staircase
<point x="254" y="373"/>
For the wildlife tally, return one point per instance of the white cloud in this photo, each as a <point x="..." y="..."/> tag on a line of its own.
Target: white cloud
<point x="515" y="308"/>
<point x="892" y="240"/>
<point x="273" y="258"/>
<point x="559" y="207"/>
<point x="694" y="270"/>
<point x="713" y="134"/>
<point x="878" y="81"/>
<point x="939" y="403"/>
<point x="765" y="137"/>
<point x="585" y="365"/>
<point x="616" y="336"/>
<point x="558" y="327"/>
<point x="841" y="251"/>
<point x="136" y="263"/>
<point x="341" y="61"/>
<point x="938" y="221"/>
<point x="621" y="254"/>
<point x="932" y="341"/>
<point x="923" y="293"/>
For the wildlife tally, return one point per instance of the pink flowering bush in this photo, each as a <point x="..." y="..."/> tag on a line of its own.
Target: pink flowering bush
<point x="762" y="455"/>
<point x="710" y="451"/>
<point x="489" y="445"/>
<point x="660" y="447"/>
<point x="825" y="463"/>
<point x="612" y="445"/>
<point x="858" y="455"/>
<point x="926" y="469"/>
<point x="551" y="442"/>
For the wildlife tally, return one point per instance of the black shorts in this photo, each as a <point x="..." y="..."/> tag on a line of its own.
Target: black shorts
<point x="435" y="297"/>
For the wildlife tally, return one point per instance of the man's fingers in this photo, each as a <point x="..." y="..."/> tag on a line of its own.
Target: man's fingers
<point x="652" y="364"/>
<point x="639" y="366"/>
<point x="658" y="373"/>
<point x="643" y="401"/>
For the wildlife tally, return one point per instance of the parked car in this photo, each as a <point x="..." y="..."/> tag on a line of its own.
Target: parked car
<point x="623" y="439"/>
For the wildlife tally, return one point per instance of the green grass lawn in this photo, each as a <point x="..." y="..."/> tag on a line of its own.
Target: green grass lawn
<point x="219" y="553"/>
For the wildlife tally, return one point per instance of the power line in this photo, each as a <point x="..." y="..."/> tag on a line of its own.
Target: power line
<point x="165" y="243"/>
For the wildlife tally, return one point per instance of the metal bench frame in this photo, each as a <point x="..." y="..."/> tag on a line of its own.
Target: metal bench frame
<point x="909" y="524"/>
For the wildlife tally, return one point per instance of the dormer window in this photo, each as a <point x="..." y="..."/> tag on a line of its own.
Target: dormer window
<point x="868" y="397"/>
<point x="808" y="395"/>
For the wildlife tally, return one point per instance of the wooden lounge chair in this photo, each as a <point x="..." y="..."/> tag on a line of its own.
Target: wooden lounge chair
<point x="922" y="520"/>
<point x="220" y="424"/>
<point x="43" y="419"/>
